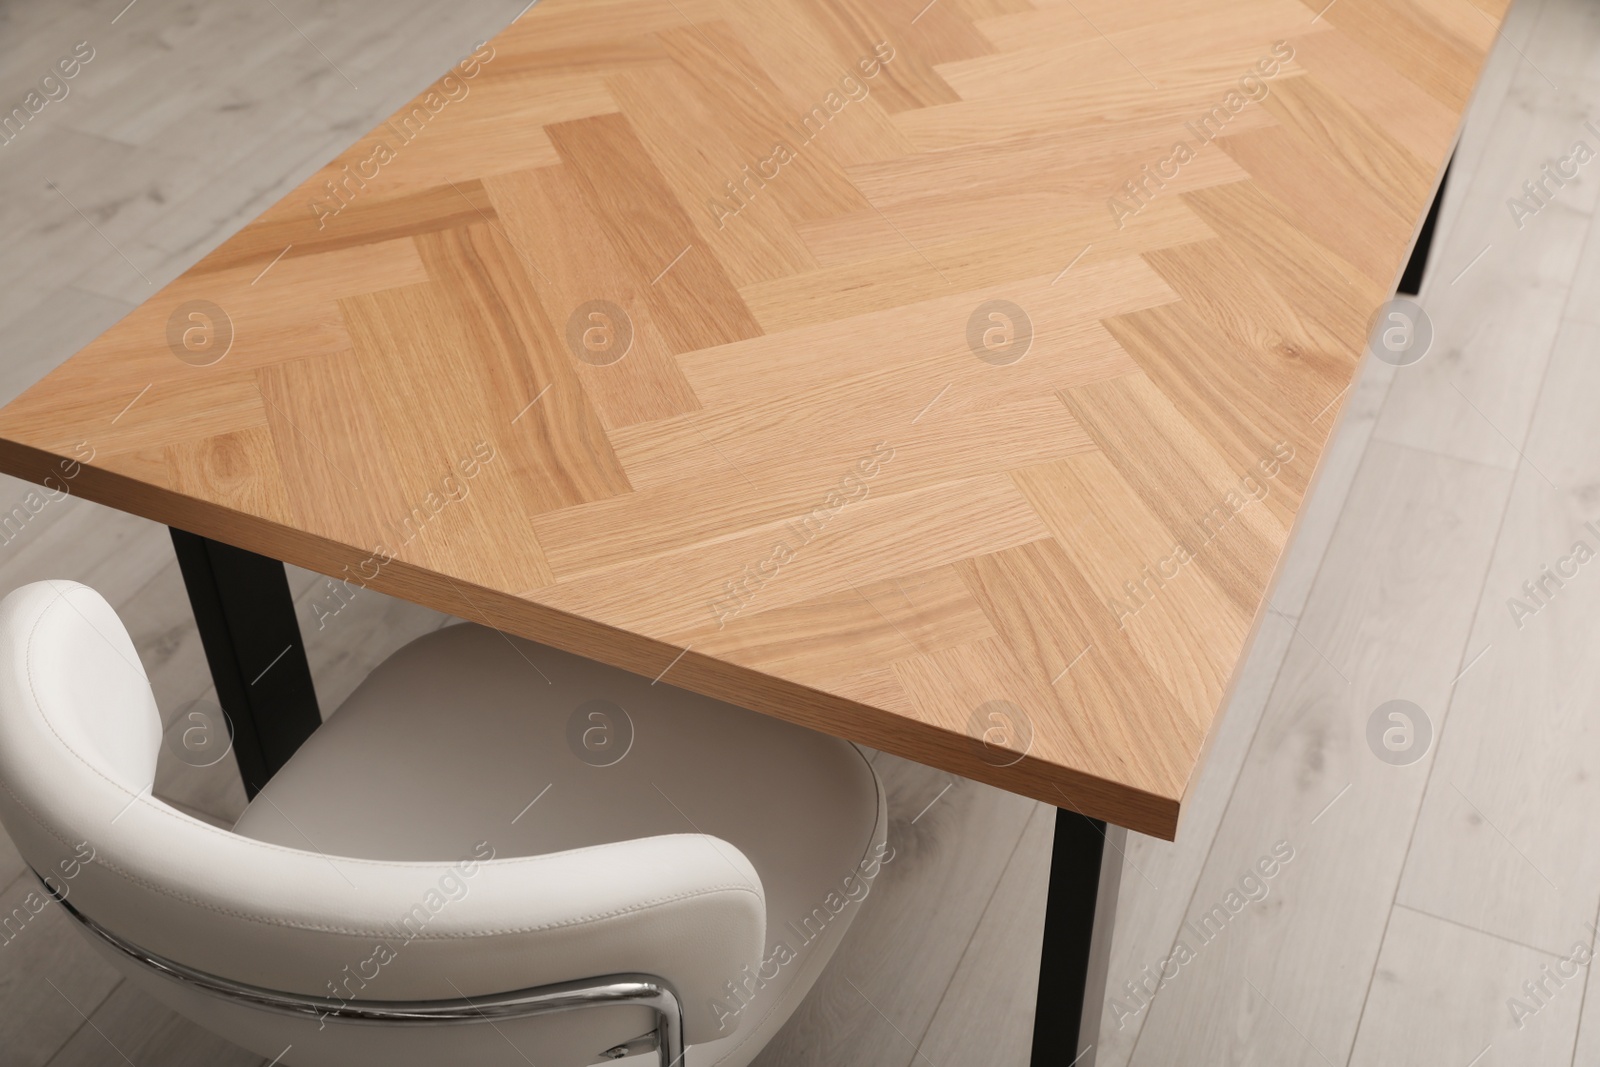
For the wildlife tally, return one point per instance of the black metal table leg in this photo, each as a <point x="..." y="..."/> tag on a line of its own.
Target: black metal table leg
<point x="1411" y="280"/>
<point x="246" y="617"/>
<point x="1077" y="941"/>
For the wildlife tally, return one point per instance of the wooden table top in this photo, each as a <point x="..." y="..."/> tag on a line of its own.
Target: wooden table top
<point x="941" y="375"/>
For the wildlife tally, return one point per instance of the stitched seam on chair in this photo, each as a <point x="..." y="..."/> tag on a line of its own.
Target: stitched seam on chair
<point x="284" y="924"/>
<point x="167" y="812"/>
<point x="578" y="920"/>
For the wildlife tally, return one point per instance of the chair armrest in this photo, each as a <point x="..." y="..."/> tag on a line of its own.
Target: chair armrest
<point x="688" y="908"/>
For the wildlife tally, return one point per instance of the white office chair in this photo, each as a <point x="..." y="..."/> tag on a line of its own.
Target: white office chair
<point x="684" y="881"/>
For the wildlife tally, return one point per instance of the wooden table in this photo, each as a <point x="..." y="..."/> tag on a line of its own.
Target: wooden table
<point x="945" y="375"/>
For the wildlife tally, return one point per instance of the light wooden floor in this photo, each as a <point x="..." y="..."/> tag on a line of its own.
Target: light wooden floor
<point x="1420" y="897"/>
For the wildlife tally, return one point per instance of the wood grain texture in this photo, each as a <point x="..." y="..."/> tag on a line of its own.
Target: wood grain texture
<point x="644" y="332"/>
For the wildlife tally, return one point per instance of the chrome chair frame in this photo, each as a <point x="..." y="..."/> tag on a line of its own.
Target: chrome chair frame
<point x="651" y="991"/>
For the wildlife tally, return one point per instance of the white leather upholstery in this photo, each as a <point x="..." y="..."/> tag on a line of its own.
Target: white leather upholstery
<point x="390" y="776"/>
<point x="648" y="865"/>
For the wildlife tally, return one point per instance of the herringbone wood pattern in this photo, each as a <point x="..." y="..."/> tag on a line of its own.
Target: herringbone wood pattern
<point x="662" y="331"/>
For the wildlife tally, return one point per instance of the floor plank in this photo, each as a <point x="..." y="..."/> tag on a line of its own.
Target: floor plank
<point x="1497" y="290"/>
<point x="1443" y="993"/>
<point x="50" y="979"/>
<point x="1509" y="792"/>
<point x="999" y="971"/>
<point x="1387" y="618"/>
<point x="129" y="1027"/>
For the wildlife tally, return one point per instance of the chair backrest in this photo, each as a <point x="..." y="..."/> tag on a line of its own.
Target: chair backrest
<point x="79" y="738"/>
